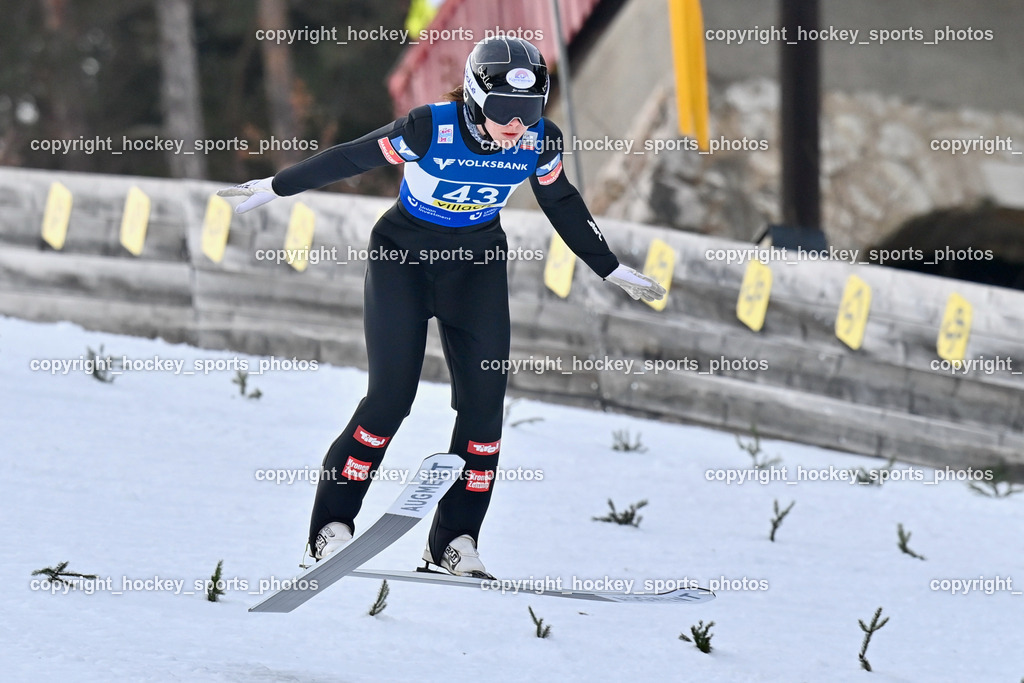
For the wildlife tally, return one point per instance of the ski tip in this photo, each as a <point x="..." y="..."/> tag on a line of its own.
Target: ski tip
<point x="444" y="456"/>
<point x="262" y="608"/>
<point x="693" y="595"/>
<point x="436" y="475"/>
<point x="439" y="464"/>
<point x="690" y="596"/>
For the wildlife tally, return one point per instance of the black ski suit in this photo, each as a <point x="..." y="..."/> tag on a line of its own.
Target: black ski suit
<point x="469" y="300"/>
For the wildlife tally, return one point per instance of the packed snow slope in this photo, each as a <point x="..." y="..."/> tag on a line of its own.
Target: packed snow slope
<point x="148" y="481"/>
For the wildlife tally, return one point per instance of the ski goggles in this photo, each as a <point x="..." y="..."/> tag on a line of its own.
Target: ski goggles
<point x="503" y="108"/>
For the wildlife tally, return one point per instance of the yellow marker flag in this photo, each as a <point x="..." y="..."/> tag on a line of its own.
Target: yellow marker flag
<point x="956" y="329"/>
<point x="57" y="215"/>
<point x="216" y="224"/>
<point x="559" y="266"/>
<point x="853" y="312"/>
<point x="752" y="304"/>
<point x="134" y="221"/>
<point x="686" y="24"/>
<point x="661" y="261"/>
<point x="299" y="238"/>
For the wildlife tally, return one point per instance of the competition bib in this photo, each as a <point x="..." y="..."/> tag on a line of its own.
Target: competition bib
<point x="453" y="186"/>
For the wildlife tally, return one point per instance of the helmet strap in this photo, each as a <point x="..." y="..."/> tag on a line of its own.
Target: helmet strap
<point x="485" y="138"/>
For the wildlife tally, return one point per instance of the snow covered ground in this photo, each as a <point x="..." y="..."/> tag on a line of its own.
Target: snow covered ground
<point x="155" y="476"/>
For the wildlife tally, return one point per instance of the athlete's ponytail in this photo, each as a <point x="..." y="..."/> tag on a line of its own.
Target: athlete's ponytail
<point x="456" y="94"/>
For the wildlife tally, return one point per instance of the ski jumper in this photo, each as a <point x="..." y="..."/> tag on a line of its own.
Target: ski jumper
<point x="453" y="188"/>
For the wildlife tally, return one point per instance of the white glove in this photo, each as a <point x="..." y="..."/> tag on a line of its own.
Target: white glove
<point x="259" y="192"/>
<point x="636" y="284"/>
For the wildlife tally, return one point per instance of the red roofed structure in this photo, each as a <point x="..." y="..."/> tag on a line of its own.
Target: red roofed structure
<point x="433" y="65"/>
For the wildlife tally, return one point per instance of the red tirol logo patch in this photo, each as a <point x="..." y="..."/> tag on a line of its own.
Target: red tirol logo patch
<point x="478" y="481"/>
<point x="372" y="440"/>
<point x="484" y="448"/>
<point x="356" y="470"/>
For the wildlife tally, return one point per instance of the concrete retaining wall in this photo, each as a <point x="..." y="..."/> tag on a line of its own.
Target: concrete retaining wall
<point x="884" y="399"/>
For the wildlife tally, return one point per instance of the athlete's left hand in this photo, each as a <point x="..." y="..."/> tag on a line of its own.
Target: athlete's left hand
<point x="636" y="284"/>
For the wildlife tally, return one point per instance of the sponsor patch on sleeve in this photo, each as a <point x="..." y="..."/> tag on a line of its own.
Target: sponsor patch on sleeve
<point x="403" y="149"/>
<point x="480" y="481"/>
<point x="389" y="151"/>
<point x="549" y="172"/>
<point x="356" y="470"/>
<point x="372" y="440"/>
<point x="484" y="448"/>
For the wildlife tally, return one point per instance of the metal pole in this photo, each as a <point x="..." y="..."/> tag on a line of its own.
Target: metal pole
<point x="565" y="91"/>
<point x="799" y="76"/>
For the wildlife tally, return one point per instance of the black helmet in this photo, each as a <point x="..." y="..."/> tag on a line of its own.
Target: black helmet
<point x="506" y="78"/>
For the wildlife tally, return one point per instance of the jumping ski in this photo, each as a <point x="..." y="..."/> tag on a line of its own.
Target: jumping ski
<point x="435" y="476"/>
<point x="680" y="595"/>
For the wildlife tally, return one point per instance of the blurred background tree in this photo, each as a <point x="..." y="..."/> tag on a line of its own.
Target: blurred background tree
<point x="98" y="69"/>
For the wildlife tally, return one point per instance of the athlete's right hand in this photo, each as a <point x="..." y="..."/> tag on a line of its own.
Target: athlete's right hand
<point x="259" y="192"/>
